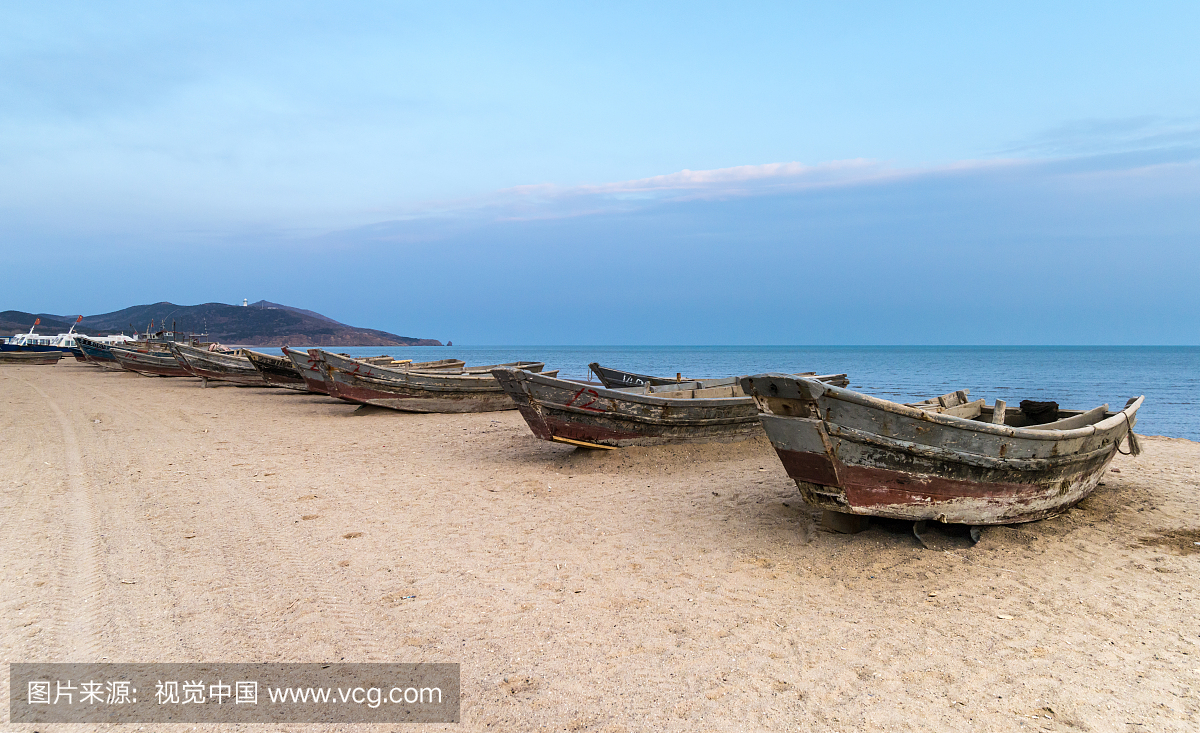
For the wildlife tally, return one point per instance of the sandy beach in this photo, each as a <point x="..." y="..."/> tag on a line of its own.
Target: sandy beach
<point x="667" y="589"/>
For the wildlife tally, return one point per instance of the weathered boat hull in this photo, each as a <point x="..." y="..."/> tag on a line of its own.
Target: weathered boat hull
<point x="422" y="391"/>
<point x="565" y="411"/>
<point x="324" y="361"/>
<point x="154" y="364"/>
<point x="367" y="368"/>
<point x="217" y="366"/>
<point x="309" y="368"/>
<point x="84" y="357"/>
<point x="99" y="354"/>
<point x="30" y="357"/>
<point x="856" y="454"/>
<point x="277" y="371"/>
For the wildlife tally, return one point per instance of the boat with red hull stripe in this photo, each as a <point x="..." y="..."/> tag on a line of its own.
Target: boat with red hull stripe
<point x="947" y="460"/>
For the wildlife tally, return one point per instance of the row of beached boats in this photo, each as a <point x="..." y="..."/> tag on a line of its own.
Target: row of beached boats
<point x="946" y="459"/>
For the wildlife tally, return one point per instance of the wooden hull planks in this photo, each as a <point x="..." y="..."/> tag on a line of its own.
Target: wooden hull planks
<point x="856" y="454"/>
<point x="325" y="362"/>
<point x="558" y="409"/>
<point x="423" y="391"/>
<point x="154" y="364"/>
<point x="375" y="367"/>
<point x="99" y="354"/>
<point x="218" y="366"/>
<point x="309" y="368"/>
<point x="277" y="371"/>
<point x="39" y="358"/>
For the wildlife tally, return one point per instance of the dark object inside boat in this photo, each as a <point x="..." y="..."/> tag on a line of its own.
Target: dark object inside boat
<point x="1039" y="413"/>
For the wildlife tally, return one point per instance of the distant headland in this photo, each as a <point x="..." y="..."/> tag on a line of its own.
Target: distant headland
<point x="258" y="324"/>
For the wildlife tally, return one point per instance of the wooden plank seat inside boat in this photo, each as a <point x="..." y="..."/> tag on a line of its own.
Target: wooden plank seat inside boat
<point x="1078" y="420"/>
<point x="969" y="410"/>
<point x="956" y="404"/>
<point x="944" y="402"/>
<point x="529" y="366"/>
<point x="728" y="390"/>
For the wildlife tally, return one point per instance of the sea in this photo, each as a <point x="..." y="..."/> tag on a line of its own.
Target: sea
<point x="1077" y="377"/>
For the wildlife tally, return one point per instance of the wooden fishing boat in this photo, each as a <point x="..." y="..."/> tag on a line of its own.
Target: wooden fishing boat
<point x="472" y="389"/>
<point x="216" y="365"/>
<point x="947" y="459"/>
<point x="277" y="371"/>
<point x="616" y="379"/>
<point x="697" y="410"/>
<point x="309" y="365"/>
<point x="150" y="363"/>
<point x="381" y="366"/>
<point x="30" y="357"/>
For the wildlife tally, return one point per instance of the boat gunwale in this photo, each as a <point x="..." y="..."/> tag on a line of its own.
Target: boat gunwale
<point x="278" y="361"/>
<point x="816" y="389"/>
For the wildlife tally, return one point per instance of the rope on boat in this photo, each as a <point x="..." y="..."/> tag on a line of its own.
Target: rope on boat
<point x="1135" y="449"/>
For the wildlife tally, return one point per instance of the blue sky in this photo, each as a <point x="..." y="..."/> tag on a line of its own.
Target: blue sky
<point x="560" y="173"/>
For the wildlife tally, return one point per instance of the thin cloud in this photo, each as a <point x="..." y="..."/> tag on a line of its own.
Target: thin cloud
<point x="434" y="221"/>
<point x="1099" y="136"/>
<point x="551" y="201"/>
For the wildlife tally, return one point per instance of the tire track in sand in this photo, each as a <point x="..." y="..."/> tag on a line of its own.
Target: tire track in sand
<point x="141" y="547"/>
<point x="80" y="580"/>
<point x="27" y="532"/>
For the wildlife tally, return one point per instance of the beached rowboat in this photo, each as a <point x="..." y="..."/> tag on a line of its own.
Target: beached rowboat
<point x="31" y="357"/>
<point x="947" y="459"/>
<point x="319" y="362"/>
<point x="473" y="389"/>
<point x="381" y="367"/>
<point x="616" y="379"/>
<point x="225" y="367"/>
<point x="150" y="363"/>
<point x="698" y="410"/>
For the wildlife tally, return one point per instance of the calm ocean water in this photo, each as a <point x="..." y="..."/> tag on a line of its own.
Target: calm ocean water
<point x="1073" y="376"/>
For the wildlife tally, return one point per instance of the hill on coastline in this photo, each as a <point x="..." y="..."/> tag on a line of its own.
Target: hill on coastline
<point x="260" y="324"/>
<point x="12" y="322"/>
